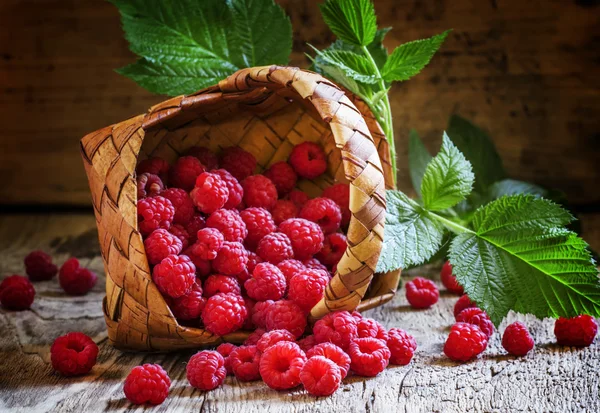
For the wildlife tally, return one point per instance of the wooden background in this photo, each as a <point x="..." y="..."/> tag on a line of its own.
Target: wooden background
<point x="526" y="71"/>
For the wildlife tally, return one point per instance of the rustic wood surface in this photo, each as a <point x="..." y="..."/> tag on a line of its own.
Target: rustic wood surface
<point x="550" y="379"/>
<point x="526" y="71"/>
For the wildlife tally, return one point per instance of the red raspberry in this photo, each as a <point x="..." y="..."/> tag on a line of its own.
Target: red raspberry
<point x="283" y="210"/>
<point x="320" y="376"/>
<point x="285" y="315"/>
<point x="231" y="259"/>
<point x="190" y="305"/>
<point x="463" y="302"/>
<point x="206" y="370"/>
<point x="210" y="193"/>
<point x="154" y="213"/>
<point x="181" y="233"/>
<point x="238" y="162"/>
<point x="357" y="316"/>
<point x="369" y="356"/>
<point x="225" y="350"/>
<point x="267" y="283"/>
<point x="149" y="383"/>
<point x="203" y="267"/>
<point x="340" y="194"/>
<point x="298" y="197"/>
<point x="289" y="268"/>
<point x="218" y="283"/>
<point x="184" y="173"/>
<point x="275" y="247"/>
<point x="306" y="288"/>
<point x="259" y="224"/>
<point x="308" y="160"/>
<point x="449" y="280"/>
<point x="478" y="317"/>
<point x="333" y="249"/>
<point x="259" y="191"/>
<point x="208" y="244"/>
<point x="367" y="327"/>
<point x="181" y="201"/>
<point x="224" y="313"/>
<point x="160" y="244"/>
<point x="421" y="293"/>
<point x="333" y="353"/>
<point x="175" y="275"/>
<point x="402" y="346"/>
<point x="149" y="185"/>
<point x="465" y="342"/>
<point x="259" y="313"/>
<point x="517" y="340"/>
<point x="75" y="280"/>
<point x="254" y="337"/>
<point x="196" y="224"/>
<point x="230" y="224"/>
<point x="314" y="264"/>
<point x="250" y="303"/>
<point x="155" y="166"/>
<point x="272" y="337"/>
<point x="307" y="237"/>
<point x="73" y="354"/>
<point x="280" y="365"/>
<point x="253" y="261"/>
<point x="236" y="192"/>
<point x="16" y="293"/>
<point x="205" y="156"/>
<point x="307" y="343"/>
<point x="39" y="266"/>
<point x="338" y="327"/>
<point x="577" y="331"/>
<point x="283" y="177"/>
<point x="245" y="363"/>
<point x="324" y="212"/>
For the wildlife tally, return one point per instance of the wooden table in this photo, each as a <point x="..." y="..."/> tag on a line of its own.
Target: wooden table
<point x="550" y="378"/>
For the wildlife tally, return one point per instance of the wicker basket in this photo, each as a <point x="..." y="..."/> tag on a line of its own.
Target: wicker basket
<point x="264" y="110"/>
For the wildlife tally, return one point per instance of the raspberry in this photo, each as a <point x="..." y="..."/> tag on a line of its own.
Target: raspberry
<point x="196" y="224"/>
<point x="267" y="283"/>
<point x="249" y="303"/>
<point x="306" y="236"/>
<point x="285" y="315"/>
<point x="160" y="244"/>
<point x="73" y="354"/>
<point x="289" y="268"/>
<point x="236" y="192"/>
<point x="203" y="267"/>
<point x="280" y="365"/>
<point x="275" y="247"/>
<point x="368" y="356"/>
<point x="190" y="305"/>
<point x="75" y="280"/>
<point x="478" y="317"/>
<point x="149" y="185"/>
<point x="259" y="191"/>
<point x="245" y="363"/>
<point x="307" y="343"/>
<point x="367" y="327"/>
<point x="205" y="156"/>
<point x="421" y="293"/>
<point x="155" y="166"/>
<point x="16" y="293"/>
<point x="259" y="313"/>
<point x="208" y="244"/>
<point x="314" y="264"/>
<point x="154" y="213"/>
<point x="357" y="316"/>
<point x="340" y="194"/>
<point x="149" y="383"/>
<point x="306" y="288"/>
<point x="238" y="162"/>
<point x="402" y="346"/>
<point x="283" y="177"/>
<point x="324" y="212"/>
<point x="218" y="283"/>
<point x="206" y="370"/>
<point x="449" y="280"/>
<point x="181" y="233"/>
<point x="517" y="340"/>
<point x="230" y="224"/>
<point x="224" y="313"/>
<point x="184" y="173"/>
<point x="210" y="193"/>
<point x="272" y="337"/>
<point x="463" y="302"/>
<point x="254" y="337"/>
<point x="181" y="201"/>
<point x="283" y="210"/>
<point x="577" y="331"/>
<point x="225" y="350"/>
<point x="259" y="223"/>
<point x="308" y="160"/>
<point x="39" y="266"/>
<point x="320" y="376"/>
<point x="253" y="261"/>
<point x="333" y="249"/>
<point x="298" y="197"/>
<point x="338" y="327"/>
<point x="175" y="275"/>
<point x="333" y="353"/>
<point x="465" y="342"/>
<point x="231" y="259"/>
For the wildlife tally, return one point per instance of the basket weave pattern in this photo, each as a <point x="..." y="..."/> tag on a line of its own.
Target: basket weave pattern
<point x="266" y="111"/>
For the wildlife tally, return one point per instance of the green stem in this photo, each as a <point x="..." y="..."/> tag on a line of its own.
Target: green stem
<point x="450" y="225"/>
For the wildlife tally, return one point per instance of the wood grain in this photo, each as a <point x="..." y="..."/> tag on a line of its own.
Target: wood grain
<point x="551" y="378"/>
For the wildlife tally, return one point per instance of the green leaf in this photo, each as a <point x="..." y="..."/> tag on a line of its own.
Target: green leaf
<point x="186" y="45"/>
<point x="375" y="48"/>
<point x="355" y="66"/>
<point x="418" y="158"/>
<point x="514" y="187"/>
<point x="448" y="178"/>
<point x="479" y="149"/>
<point x="411" y="236"/>
<point x="520" y="257"/>
<point x="353" y="21"/>
<point x="410" y="58"/>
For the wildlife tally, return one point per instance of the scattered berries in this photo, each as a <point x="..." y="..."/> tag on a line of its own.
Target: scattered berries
<point x="190" y="305"/>
<point x="75" y="280"/>
<point x="209" y="242"/>
<point x="308" y="160"/>
<point x="285" y="315"/>
<point x="254" y="337"/>
<point x="306" y="237"/>
<point x="324" y="212"/>
<point x="16" y="293"/>
<point x="517" y="340"/>
<point x="283" y="177"/>
<point x="333" y="353"/>
<point x="275" y="336"/>
<point x="225" y="349"/>
<point x="229" y="223"/>
<point x="218" y="283"/>
<point x="181" y="201"/>
<point x="184" y="173"/>
<point x="478" y="317"/>
<point x="577" y="331"/>
<point x="367" y="327"/>
<point x="245" y="363"/>
<point x="320" y="376"/>
<point x="465" y="342"/>
<point x="224" y="313"/>
<point x="307" y="343"/>
<point x="154" y="213"/>
<point x="259" y="192"/>
<point x="175" y="275"/>
<point x="340" y="194"/>
<point x="206" y="370"/>
<point x="402" y="346"/>
<point x="39" y="266"/>
<point x="421" y="293"/>
<point x="338" y="327"/>
<point x="449" y="280"/>
<point x="210" y="193"/>
<point x="259" y="223"/>
<point x="238" y="162"/>
<point x="333" y="249"/>
<point x="275" y="247"/>
<point x="160" y="244"/>
<point x="281" y="364"/>
<point x="463" y="302"/>
<point x="267" y="283"/>
<point x="73" y="354"/>
<point x="149" y="383"/>
<point x="368" y="356"/>
<point x="231" y="259"/>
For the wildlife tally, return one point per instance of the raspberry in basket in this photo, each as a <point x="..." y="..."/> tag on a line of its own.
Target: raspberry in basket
<point x="39" y="266"/>
<point x="245" y="363"/>
<point x="285" y="315"/>
<point x="338" y="327"/>
<point x="275" y="336"/>
<point x="206" y="370"/>
<point x="208" y="244"/>
<point x="184" y="172"/>
<point x="190" y="305"/>
<point x="224" y="313"/>
<point x="253" y="261"/>
<point x="154" y="213"/>
<point x="155" y="166"/>
<point x="306" y="237"/>
<point x="465" y="342"/>
<point x="236" y="192"/>
<point x="181" y="233"/>
<point x="231" y="259"/>
<point x="217" y="283"/>
<point x="149" y="383"/>
<point x="238" y="162"/>
<point x="308" y="160"/>
<point x="340" y="194"/>
<point x="275" y="247"/>
<point x="577" y="331"/>
<point x="333" y="249"/>
<point x="160" y="244"/>
<point x="230" y="224"/>
<point x="181" y="201"/>
<point x="478" y="317"/>
<point x="16" y="293"/>
<point x="75" y="280"/>
<point x="280" y="365"/>
<point x="283" y="210"/>
<point x="203" y="267"/>
<point x="267" y="283"/>
<point x="367" y="327"/>
<point x="196" y="224"/>
<point x="175" y="275"/>
<point x="306" y="288"/>
<point x="324" y="212"/>
<point x="320" y="376"/>
<point x="149" y="185"/>
<point x="421" y="293"/>
<point x="73" y="354"/>
<point x="205" y="156"/>
<point x="259" y="223"/>
<point x="449" y="280"/>
<point x="259" y="191"/>
<point x="298" y="197"/>
<point x="210" y="193"/>
<point x="402" y="346"/>
<point x="289" y="268"/>
<point x="517" y="340"/>
<point x="283" y="177"/>
<point x="333" y="353"/>
<point x="463" y="302"/>
<point x="368" y="356"/>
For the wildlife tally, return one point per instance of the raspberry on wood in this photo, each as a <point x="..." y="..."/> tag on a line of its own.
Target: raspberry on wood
<point x="402" y="346"/>
<point x="465" y="342"/>
<point x="368" y="356"/>
<point x="181" y="201"/>
<point x="190" y="305"/>
<point x="210" y="193"/>
<point x="306" y="237"/>
<point x="283" y="210"/>
<point x="250" y="303"/>
<point x="205" y="156"/>
<point x="267" y="283"/>
<point x="367" y="327"/>
<point x="283" y="177"/>
<point x="285" y="315"/>
<point x="73" y="354"/>
<point x="154" y="166"/>
<point x="307" y="343"/>
<point x="225" y="349"/>
<point x="230" y="223"/>
<point x="259" y="223"/>
<point x="149" y="383"/>
<point x="340" y="194"/>
<point x="320" y="376"/>
<point x="206" y="370"/>
<point x="236" y="192"/>
<point x="280" y="365"/>
<point x="324" y="212"/>
<point x="16" y="293"/>
<point x="517" y="340"/>
<point x="333" y="353"/>
<point x="245" y="363"/>
<point x="184" y="172"/>
<point x="175" y="275"/>
<point x="308" y="160"/>
<point x="478" y="317"/>
<point x="333" y="249"/>
<point x="209" y="242"/>
<point x="154" y="213"/>
<point x="74" y="279"/>
<point x="338" y="327"/>
<point x="421" y="293"/>
<point x="160" y="244"/>
<point x="259" y="192"/>
<point x="449" y="280"/>
<point x="231" y="259"/>
<point x="275" y="247"/>
<point x="307" y="287"/>
<point x="217" y="283"/>
<point x="149" y="185"/>
<point x="224" y="313"/>
<point x="39" y="266"/>
<point x="463" y="302"/>
<point x="238" y="162"/>
<point x="577" y="331"/>
<point x="254" y="337"/>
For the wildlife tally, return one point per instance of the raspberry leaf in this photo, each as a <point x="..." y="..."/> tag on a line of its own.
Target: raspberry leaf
<point x="418" y="159"/>
<point x="352" y="21"/>
<point x="351" y="64"/>
<point x="515" y="187"/>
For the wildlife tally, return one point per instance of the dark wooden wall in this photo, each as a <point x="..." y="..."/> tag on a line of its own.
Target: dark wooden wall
<point x="527" y="71"/>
